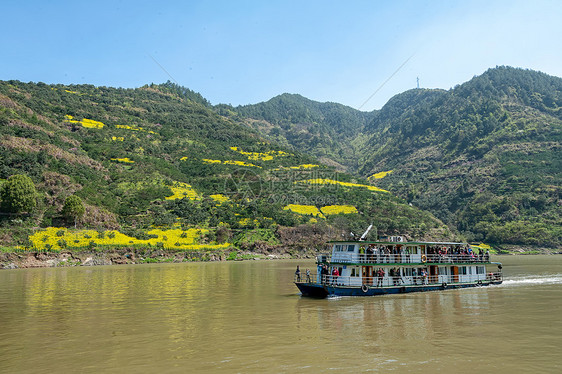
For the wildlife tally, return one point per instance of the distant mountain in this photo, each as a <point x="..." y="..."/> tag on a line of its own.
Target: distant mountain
<point x="329" y="131"/>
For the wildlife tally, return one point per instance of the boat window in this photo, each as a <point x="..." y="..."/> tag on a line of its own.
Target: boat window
<point x="480" y="270"/>
<point x="442" y="271"/>
<point x="408" y="272"/>
<point x="351" y="248"/>
<point x="462" y="270"/>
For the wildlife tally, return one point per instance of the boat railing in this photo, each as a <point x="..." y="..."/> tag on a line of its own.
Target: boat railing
<point x="400" y="280"/>
<point x="382" y="258"/>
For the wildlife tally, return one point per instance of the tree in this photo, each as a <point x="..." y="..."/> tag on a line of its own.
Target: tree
<point x="73" y="208"/>
<point x="18" y="194"/>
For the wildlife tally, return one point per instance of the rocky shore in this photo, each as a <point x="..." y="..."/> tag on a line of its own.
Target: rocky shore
<point x="17" y="260"/>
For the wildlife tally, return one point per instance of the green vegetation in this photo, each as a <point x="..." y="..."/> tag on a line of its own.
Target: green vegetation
<point x="18" y="195"/>
<point x="329" y="131"/>
<point x="120" y="163"/>
<point x="73" y="208"/>
<point x="484" y="157"/>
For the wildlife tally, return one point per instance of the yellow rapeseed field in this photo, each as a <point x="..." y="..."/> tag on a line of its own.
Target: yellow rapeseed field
<point x="380" y="175"/>
<point x="219" y="198"/>
<point x="125" y="160"/>
<point x="305" y="166"/>
<point x="89" y="123"/>
<point x="182" y="190"/>
<point x="304" y="209"/>
<point x="230" y="162"/>
<point x="134" y="128"/>
<point x="334" y="182"/>
<point x="263" y="156"/>
<point x="338" y="209"/>
<point x="55" y="238"/>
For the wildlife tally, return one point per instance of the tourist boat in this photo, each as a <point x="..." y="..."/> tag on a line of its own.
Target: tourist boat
<point x="393" y="265"/>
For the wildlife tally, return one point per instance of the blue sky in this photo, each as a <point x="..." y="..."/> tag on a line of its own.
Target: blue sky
<point x="244" y="52"/>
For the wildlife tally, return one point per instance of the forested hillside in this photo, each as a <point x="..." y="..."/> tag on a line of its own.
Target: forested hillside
<point x="329" y="131"/>
<point x="158" y="167"/>
<point x="485" y="156"/>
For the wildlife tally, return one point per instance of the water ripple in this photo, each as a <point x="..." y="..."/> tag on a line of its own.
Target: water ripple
<point x="530" y="280"/>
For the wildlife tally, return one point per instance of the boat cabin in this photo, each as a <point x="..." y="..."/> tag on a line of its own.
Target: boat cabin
<point x="397" y="262"/>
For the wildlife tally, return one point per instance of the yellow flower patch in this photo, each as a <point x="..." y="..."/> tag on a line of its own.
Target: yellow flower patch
<point x="305" y="166"/>
<point x="184" y="158"/>
<point x="338" y="209"/>
<point x="304" y="209"/>
<point x="230" y="162"/>
<point x="219" y="198"/>
<point x="263" y="156"/>
<point x="240" y="163"/>
<point x="346" y="184"/>
<point x="182" y="190"/>
<point x="55" y="238"/>
<point x="88" y="123"/>
<point x="125" y="160"/>
<point x="134" y="128"/>
<point x="380" y="175"/>
<point x="117" y="138"/>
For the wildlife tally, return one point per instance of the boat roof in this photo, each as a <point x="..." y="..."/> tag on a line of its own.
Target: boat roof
<point x="393" y="243"/>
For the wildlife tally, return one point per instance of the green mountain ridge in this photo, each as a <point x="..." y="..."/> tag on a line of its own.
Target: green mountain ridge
<point x="328" y="131"/>
<point x="484" y="157"/>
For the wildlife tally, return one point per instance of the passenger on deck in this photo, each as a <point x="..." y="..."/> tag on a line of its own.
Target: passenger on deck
<point x="370" y="253"/>
<point x="298" y="274"/>
<point x="335" y="275"/>
<point x="324" y="273"/>
<point x="424" y="276"/>
<point x="362" y="254"/>
<point x="380" y="277"/>
<point x="308" y="275"/>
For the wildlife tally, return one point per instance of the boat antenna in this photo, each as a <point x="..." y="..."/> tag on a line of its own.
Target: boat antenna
<point x="364" y="236"/>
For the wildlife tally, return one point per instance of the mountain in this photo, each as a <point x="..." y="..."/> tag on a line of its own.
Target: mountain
<point x="157" y="166"/>
<point x="329" y="131"/>
<point x="484" y="156"/>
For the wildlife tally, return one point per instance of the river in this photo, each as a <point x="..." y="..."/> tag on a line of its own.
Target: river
<point x="248" y="317"/>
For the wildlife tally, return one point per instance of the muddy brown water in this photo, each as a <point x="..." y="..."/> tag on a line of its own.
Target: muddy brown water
<point x="240" y="317"/>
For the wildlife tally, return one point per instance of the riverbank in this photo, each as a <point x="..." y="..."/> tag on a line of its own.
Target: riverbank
<point x="28" y="259"/>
